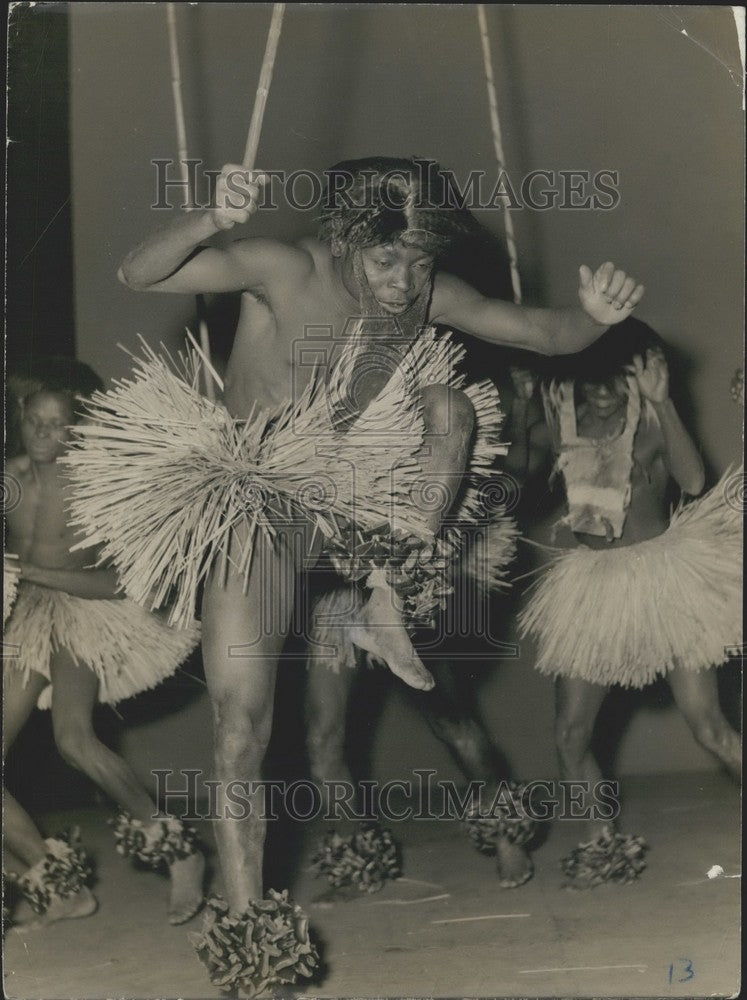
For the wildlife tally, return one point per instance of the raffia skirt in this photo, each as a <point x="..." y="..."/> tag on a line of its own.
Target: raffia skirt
<point x="625" y="616"/>
<point x="128" y="649"/>
<point x="162" y="477"/>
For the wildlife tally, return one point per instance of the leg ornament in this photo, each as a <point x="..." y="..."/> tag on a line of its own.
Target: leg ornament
<point x="62" y="872"/>
<point x="267" y="945"/>
<point x="161" y="842"/>
<point x="611" y="857"/>
<point x="365" y="860"/>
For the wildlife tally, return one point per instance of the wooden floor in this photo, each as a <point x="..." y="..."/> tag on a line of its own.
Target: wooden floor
<point x="446" y="929"/>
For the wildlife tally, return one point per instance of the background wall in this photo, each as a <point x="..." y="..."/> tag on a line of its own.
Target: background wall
<point x="581" y="88"/>
<point x="39" y="265"/>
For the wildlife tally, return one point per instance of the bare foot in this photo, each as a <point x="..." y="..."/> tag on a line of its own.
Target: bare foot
<point x="514" y="864"/>
<point x="82" y="904"/>
<point x="384" y="636"/>
<point x="186" y="898"/>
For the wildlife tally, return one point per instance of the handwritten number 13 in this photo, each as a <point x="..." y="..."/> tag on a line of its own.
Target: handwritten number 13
<point x="687" y="967"/>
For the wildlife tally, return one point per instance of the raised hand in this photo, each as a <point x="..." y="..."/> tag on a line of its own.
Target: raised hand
<point x="236" y="195"/>
<point x="608" y="295"/>
<point x="652" y="376"/>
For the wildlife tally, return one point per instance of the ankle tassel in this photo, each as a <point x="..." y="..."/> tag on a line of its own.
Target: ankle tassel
<point x="161" y="842"/>
<point x="64" y="870"/>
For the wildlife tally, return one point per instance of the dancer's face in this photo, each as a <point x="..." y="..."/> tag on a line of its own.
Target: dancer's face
<point x="45" y="426"/>
<point x="606" y="399"/>
<point x="396" y="275"/>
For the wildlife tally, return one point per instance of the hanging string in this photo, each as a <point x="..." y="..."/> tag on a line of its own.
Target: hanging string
<point x="495" y="125"/>
<point x="187" y="176"/>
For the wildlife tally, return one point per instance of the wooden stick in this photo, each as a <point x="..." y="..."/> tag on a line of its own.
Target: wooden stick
<point x="176" y="90"/>
<point x="498" y="147"/>
<point x="263" y="88"/>
<point x="205" y="359"/>
<point x="187" y="177"/>
<point x="205" y="342"/>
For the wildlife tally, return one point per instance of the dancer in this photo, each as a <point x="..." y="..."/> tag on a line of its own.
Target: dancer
<point x="76" y="641"/>
<point x="447" y="709"/>
<point x="637" y="595"/>
<point x="361" y="293"/>
<point x="479" y="568"/>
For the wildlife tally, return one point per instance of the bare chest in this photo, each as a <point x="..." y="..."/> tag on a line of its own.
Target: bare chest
<point x="277" y="349"/>
<point x="38" y="528"/>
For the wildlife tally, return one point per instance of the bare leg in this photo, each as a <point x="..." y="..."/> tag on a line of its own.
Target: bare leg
<point x="19" y="830"/>
<point x="449" y="420"/>
<point x="577" y="706"/>
<point x="327" y="695"/>
<point x="696" y="695"/>
<point x="74" y="693"/>
<point x="451" y="721"/>
<point x="242" y="639"/>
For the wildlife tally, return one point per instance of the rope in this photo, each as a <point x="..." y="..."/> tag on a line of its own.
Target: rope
<point x="495" y="125"/>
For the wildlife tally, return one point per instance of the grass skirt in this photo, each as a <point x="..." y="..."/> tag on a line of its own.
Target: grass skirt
<point x="626" y="615"/>
<point x="127" y="648"/>
<point x="162" y="477"/>
<point x="10" y="582"/>
<point x="478" y="545"/>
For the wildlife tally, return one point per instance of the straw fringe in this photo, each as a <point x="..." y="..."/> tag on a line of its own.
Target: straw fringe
<point x="479" y="542"/>
<point x="162" y="477"/>
<point x="11" y="573"/>
<point x="626" y="615"/>
<point x="489" y="554"/>
<point x="127" y="648"/>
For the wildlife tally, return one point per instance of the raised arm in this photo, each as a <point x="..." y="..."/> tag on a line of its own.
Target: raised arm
<point x="606" y="297"/>
<point x="680" y="452"/>
<point x="174" y="259"/>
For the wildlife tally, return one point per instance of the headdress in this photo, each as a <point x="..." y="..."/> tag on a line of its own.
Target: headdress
<point x="377" y="200"/>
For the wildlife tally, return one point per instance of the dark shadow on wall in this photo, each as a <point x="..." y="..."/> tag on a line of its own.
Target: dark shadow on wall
<point x="39" y="291"/>
<point x="38" y="295"/>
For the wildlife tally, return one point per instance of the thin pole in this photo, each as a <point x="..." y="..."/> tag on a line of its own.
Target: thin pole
<point x="187" y="177"/>
<point x="263" y="88"/>
<point x="495" y="126"/>
<point x="176" y="91"/>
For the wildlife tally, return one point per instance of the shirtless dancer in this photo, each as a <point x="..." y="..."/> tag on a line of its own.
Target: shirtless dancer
<point x="78" y="643"/>
<point x="636" y="595"/>
<point x="382" y="230"/>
